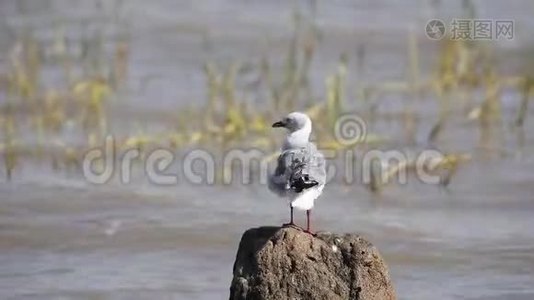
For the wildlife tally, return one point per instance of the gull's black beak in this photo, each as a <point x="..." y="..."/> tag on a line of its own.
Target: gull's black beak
<point x="279" y="124"/>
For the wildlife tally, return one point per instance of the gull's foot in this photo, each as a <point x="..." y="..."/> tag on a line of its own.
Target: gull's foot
<point x="310" y="232"/>
<point x="290" y="224"/>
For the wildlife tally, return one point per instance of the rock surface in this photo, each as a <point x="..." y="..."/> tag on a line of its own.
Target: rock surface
<point x="287" y="263"/>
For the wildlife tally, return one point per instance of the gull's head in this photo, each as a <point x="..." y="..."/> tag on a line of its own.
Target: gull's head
<point x="295" y="121"/>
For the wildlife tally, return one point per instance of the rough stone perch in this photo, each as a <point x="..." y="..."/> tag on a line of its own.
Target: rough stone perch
<point x="286" y="263"/>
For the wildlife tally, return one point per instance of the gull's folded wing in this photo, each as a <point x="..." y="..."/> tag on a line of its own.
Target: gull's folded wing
<point x="294" y="163"/>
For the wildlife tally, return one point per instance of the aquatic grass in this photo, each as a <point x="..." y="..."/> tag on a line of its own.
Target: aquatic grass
<point x="92" y="94"/>
<point x="335" y="86"/>
<point x="228" y="119"/>
<point x="445" y="167"/>
<point x="410" y="119"/>
<point x="527" y="89"/>
<point x="10" y="146"/>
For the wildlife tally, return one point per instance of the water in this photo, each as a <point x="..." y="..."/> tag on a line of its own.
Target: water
<point x="64" y="242"/>
<point x="63" y="238"/>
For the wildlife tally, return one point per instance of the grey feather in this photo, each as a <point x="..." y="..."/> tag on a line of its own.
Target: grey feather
<point x="294" y="163"/>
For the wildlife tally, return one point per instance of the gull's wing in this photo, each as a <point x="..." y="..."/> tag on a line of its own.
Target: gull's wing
<point x="294" y="163"/>
<point x="315" y="166"/>
<point x="279" y="181"/>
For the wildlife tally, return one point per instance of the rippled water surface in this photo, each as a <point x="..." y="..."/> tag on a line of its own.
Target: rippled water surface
<point x="59" y="241"/>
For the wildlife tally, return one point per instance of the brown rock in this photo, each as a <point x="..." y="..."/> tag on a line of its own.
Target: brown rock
<point x="287" y="263"/>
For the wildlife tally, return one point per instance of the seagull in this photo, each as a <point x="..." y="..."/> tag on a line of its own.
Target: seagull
<point x="300" y="174"/>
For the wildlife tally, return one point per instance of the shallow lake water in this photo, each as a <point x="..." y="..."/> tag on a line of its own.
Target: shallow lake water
<point x="68" y="240"/>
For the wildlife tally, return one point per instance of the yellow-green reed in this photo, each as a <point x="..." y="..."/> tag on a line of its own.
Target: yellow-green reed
<point x="462" y="68"/>
<point x="526" y="90"/>
<point x="445" y="167"/>
<point x="9" y="150"/>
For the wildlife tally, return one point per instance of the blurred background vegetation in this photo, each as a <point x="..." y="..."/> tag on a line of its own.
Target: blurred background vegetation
<point x="73" y="73"/>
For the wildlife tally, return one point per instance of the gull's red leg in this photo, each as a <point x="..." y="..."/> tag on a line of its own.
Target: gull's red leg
<point x="308" y="223"/>
<point x="291" y="217"/>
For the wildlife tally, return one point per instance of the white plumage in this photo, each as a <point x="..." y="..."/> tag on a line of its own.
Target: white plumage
<point x="306" y="199"/>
